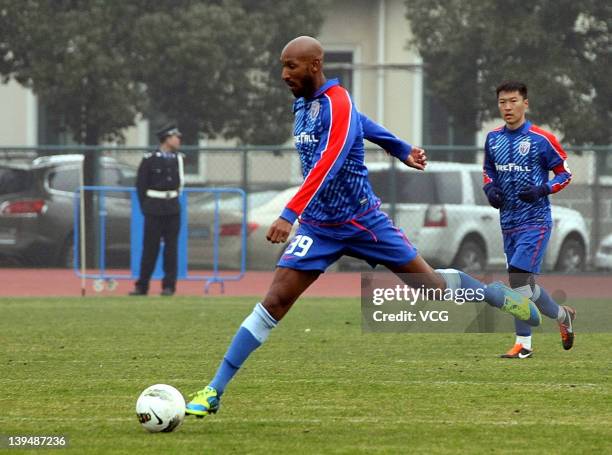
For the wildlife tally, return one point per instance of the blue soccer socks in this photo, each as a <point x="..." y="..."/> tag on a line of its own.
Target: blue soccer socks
<point x="251" y="334"/>
<point x="456" y="279"/>
<point x="495" y="294"/>
<point x="522" y="329"/>
<point x="547" y="305"/>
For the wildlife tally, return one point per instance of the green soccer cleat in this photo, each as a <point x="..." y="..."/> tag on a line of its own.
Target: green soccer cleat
<point x="517" y="305"/>
<point x="203" y="403"/>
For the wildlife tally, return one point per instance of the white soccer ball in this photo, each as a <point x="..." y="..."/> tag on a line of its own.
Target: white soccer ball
<point x="160" y="408"/>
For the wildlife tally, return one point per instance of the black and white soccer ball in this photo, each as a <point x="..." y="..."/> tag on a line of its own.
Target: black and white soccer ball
<point x="160" y="407"/>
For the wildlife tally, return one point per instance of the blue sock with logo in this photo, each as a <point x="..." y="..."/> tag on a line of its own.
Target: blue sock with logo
<point x="251" y="334"/>
<point x="456" y="279"/>
<point x="546" y="304"/>
<point x="521" y="328"/>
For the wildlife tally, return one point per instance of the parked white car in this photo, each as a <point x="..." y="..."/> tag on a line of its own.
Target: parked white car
<point x="261" y="254"/>
<point x="201" y="227"/>
<point x="264" y="208"/>
<point x="445" y="213"/>
<point x="603" y="257"/>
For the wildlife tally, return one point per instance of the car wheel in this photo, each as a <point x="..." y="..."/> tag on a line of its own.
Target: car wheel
<point x="471" y="257"/>
<point x="572" y="256"/>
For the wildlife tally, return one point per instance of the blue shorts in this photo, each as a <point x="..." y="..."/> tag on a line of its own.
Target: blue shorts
<point x="372" y="237"/>
<point x="525" y="246"/>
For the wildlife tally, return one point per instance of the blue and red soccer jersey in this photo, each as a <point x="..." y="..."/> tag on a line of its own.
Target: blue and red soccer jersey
<point x="516" y="159"/>
<point x="337" y="208"/>
<point x="328" y="134"/>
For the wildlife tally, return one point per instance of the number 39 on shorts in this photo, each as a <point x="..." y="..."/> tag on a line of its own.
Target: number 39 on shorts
<point x="299" y="245"/>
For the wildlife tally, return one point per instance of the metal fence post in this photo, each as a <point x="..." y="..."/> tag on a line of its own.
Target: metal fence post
<point x="91" y="171"/>
<point x="245" y="170"/>
<point x="596" y="193"/>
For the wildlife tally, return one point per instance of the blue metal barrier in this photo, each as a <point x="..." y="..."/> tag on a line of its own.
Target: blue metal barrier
<point x="136" y="227"/>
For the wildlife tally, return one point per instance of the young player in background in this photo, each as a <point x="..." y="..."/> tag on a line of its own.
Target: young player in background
<point x="518" y="159"/>
<point x="339" y="214"/>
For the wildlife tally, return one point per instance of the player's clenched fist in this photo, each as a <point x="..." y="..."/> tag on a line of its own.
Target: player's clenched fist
<point x="279" y="231"/>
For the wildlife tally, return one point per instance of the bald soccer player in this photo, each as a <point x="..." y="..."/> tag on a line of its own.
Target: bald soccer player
<point x="338" y="214"/>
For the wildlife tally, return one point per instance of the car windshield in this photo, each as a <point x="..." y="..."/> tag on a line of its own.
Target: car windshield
<point x="64" y="179"/>
<point x="418" y="187"/>
<point x="14" y="180"/>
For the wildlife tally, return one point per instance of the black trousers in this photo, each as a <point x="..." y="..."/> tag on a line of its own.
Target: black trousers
<point x="156" y="228"/>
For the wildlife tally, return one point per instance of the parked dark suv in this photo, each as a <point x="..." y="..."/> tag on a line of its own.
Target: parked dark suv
<point x="36" y="208"/>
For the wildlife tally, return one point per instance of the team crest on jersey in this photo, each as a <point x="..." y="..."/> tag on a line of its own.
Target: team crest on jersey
<point x="524" y="147"/>
<point x="315" y="107"/>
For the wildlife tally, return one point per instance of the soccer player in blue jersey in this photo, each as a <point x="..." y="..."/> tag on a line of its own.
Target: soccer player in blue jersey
<point x="518" y="159"/>
<point x="338" y="214"/>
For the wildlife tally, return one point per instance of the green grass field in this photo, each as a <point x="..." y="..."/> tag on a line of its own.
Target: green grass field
<point x="76" y="366"/>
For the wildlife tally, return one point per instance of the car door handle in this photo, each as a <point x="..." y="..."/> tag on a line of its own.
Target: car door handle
<point x="486" y="217"/>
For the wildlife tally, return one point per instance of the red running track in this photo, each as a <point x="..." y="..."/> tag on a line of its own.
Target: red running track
<point x="64" y="283"/>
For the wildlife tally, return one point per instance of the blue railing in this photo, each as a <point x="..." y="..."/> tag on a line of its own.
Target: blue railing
<point x="135" y="232"/>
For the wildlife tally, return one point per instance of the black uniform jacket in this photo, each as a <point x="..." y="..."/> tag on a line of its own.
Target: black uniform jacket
<point x="157" y="172"/>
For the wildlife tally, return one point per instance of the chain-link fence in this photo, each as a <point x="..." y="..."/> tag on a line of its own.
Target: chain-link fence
<point x="443" y="211"/>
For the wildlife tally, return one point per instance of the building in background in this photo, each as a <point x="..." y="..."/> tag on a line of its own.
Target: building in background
<point x="366" y="46"/>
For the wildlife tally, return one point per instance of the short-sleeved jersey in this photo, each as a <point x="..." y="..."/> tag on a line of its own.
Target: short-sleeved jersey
<point x="328" y="136"/>
<point x="516" y="159"/>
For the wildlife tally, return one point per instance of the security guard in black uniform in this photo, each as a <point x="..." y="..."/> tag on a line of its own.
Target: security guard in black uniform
<point x="159" y="182"/>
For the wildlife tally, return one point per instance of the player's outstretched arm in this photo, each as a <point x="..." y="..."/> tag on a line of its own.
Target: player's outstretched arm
<point x="410" y="155"/>
<point x="385" y="139"/>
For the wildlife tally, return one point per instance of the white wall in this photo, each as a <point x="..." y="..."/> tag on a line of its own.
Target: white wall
<point x="18" y="115"/>
<point x="355" y="25"/>
<point x="19" y="119"/>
